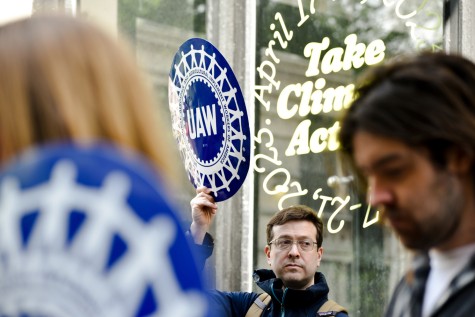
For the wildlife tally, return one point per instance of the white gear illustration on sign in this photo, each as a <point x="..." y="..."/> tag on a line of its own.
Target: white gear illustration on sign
<point x="49" y="268"/>
<point x="220" y="170"/>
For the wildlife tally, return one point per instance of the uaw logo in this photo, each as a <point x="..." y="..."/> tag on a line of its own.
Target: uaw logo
<point x="209" y="118"/>
<point x="88" y="232"/>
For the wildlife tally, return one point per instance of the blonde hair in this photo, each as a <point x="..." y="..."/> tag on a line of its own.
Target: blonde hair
<point x="62" y="78"/>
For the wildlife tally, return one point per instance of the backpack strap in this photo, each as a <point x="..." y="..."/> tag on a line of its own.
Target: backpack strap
<point x="259" y="305"/>
<point x="330" y="308"/>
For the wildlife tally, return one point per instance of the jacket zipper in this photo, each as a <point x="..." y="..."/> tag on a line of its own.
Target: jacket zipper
<point x="282" y="309"/>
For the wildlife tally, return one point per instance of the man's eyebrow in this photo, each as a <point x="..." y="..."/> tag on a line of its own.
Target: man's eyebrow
<point x="381" y="162"/>
<point x="286" y="236"/>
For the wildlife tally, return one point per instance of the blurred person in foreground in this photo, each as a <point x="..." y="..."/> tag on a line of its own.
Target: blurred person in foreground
<point x="63" y="79"/>
<point x="292" y="286"/>
<point x="90" y="231"/>
<point x="410" y="133"/>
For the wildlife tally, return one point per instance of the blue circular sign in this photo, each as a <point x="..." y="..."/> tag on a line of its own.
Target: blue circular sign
<point x="88" y="231"/>
<point x="209" y="118"/>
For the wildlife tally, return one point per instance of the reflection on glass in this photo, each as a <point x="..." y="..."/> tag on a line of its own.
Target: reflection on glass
<point x="309" y="54"/>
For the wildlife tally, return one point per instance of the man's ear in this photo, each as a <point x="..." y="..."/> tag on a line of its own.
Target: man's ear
<point x="267" y="252"/>
<point x="320" y="254"/>
<point x="459" y="161"/>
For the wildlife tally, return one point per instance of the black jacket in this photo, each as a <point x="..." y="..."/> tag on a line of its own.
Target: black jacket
<point x="458" y="300"/>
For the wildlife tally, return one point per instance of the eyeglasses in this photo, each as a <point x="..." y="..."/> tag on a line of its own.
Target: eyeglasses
<point x="284" y="244"/>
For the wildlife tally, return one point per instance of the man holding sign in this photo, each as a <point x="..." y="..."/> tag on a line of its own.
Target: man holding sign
<point x="294" y="250"/>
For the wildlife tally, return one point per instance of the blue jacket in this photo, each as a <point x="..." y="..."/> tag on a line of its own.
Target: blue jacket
<point x="285" y="302"/>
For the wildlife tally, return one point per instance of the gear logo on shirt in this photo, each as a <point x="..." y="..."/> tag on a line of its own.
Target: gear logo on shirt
<point x="209" y="118"/>
<point x="86" y="231"/>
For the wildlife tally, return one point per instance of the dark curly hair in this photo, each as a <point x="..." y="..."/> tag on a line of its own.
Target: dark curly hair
<point x="426" y="101"/>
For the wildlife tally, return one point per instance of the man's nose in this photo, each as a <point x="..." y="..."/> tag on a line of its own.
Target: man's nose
<point x="294" y="250"/>
<point x="379" y="195"/>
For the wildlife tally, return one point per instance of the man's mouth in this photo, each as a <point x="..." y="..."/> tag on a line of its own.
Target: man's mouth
<point x="399" y="224"/>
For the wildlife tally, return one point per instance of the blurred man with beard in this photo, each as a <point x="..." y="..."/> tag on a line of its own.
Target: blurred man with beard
<point x="410" y="134"/>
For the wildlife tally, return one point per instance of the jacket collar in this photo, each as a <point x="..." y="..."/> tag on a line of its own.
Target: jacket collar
<point x="273" y="286"/>
<point x="416" y="279"/>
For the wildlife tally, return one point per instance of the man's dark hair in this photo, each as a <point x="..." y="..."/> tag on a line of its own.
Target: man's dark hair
<point x="427" y="101"/>
<point x="296" y="213"/>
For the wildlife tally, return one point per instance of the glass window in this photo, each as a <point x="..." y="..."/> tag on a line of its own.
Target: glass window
<point x="308" y="56"/>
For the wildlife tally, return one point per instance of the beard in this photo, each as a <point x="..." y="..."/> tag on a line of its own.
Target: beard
<point x="441" y="210"/>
